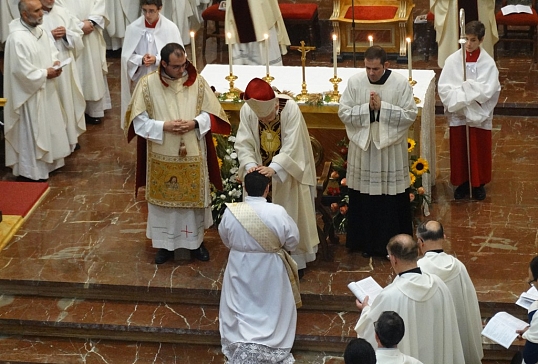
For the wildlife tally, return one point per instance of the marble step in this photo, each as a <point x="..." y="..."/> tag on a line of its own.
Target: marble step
<point x="153" y="322"/>
<point x="40" y="349"/>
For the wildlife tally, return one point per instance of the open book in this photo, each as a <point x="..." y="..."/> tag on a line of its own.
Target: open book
<point x="513" y="9"/>
<point x="365" y="287"/>
<point x="526" y="299"/>
<point x="502" y="328"/>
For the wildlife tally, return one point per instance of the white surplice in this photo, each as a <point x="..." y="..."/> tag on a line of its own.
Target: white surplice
<point x="393" y="356"/>
<point x="92" y="63"/>
<point x="69" y="86"/>
<point x="139" y="41"/>
<point x="294" y="184"/>
<point x="378" y="161"/>
<point x="425" y="305"/>
<point x="455" y="275"/>
<point x="471" y="101"/>
<point x="36" y="139"/>
<point x="447" y="26"/>
<point x="257" y="305"/>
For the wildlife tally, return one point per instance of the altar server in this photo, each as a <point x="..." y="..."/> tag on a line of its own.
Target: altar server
<point x="144" y="39"/>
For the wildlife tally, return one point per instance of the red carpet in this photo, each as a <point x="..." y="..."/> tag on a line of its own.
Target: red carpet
<point x="18" y="198"/>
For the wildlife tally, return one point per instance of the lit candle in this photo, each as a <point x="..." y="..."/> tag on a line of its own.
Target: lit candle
<point x="229" y="35"/>
<point x="334" y="55"/>
<point x="266" y="36"/>
<point x="409" y="58"/>
<point x="371" y="40"/>
<point x="193" y="49"/>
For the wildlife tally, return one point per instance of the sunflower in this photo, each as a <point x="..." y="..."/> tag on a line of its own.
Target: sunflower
<point x="215" y="142"/>
<point x="410" y="145"/>
<point x="412" y="178"/>
<point x="420" y="167"/>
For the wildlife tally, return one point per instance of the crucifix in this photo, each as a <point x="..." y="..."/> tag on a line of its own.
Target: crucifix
<point x="304" y="50"/>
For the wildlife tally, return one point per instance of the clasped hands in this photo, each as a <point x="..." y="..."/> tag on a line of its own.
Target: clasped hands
<point x="266" y="171"/>
<point x="375" y="101"/>
<point x="58" y="33"/>
<point x="87" y="28"/>
<point x="179" y="126"/>
<point x="53" y="72"/>
<point x="148" y="60"/>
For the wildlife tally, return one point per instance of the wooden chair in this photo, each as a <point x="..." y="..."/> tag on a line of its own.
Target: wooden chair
<point x="389" y="22"/>
<point x="519" y="27"/>
<point x="213" y="14"/>
<point x="327" y="232"/>
<point x="299" y="17"/>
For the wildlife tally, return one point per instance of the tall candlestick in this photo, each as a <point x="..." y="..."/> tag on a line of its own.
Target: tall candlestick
<point x="334" y="55"/>
<point x="266" y="43"/>
<point x="193" y="49"/>
<point x="409" y="58"/>
<point x="371" y="40"/>
<point x="229" y="35"/>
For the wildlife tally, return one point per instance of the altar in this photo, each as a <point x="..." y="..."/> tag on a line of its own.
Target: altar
<point x="320" y="118"/>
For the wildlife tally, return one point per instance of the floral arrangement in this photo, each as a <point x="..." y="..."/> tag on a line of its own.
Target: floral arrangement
<point x="417" y="194"/>
<point x="229" y="166"/>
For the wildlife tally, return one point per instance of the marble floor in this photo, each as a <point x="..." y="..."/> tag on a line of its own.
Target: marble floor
<point x="87" y="238"/>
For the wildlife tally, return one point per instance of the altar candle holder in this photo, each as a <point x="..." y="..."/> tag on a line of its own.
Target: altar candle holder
<point x="335" y="95"/>
<point x="303" y="96"/>
<point x="232" y="94"/>
<point x="268" y="78"/>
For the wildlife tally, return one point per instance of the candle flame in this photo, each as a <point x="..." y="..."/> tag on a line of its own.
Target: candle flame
<point x="334" y="36"/>
<point x="229" y="35"/>
<point x="266" y="36"/>
<point x="370" y="38"/>
<point x="192" y="34"/>
<point x="408" y="40"/>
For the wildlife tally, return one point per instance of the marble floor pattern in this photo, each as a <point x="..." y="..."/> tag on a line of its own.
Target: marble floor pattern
<point x="89" y="232"/>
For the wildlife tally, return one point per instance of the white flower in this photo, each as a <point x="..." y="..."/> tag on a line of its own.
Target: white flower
<point x="223" y="197"/>
<point x="231" y="139"/>
<point x="235" y="193"/>
<point x="227" y="157"/>
<point x="233" y="155"/>
<point x="229" y="150"/>
<point x="234" y="170"/>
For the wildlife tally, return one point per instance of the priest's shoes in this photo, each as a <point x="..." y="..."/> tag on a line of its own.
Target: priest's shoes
<point x="479" y="193"/>
<point x="461" y="191"/>
<point x="163" y="256"/>
<point x="91" y="120"/>
<point x="201" y="253"/>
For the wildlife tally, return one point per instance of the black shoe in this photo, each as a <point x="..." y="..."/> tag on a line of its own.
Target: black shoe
<point x="26" y="179"/>
<point x="91" y="120"/>
<point x="479" y="193"/>
<point x="201" y="253"/>
<point x="461" y="191"/>
<point x="77" y="146"/>
<point x="163" y="256"/>
<point x="301" y="273"/>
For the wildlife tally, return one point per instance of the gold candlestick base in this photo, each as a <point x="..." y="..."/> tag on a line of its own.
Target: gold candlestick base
<point x="232" y="94"/>
<point x="268" y="78"/>
<point x="335" y="95"/>
<point x="303" y="96"/>
<point x="412" y="82"/>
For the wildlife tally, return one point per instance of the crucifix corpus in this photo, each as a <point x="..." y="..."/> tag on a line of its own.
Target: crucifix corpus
<point x="304" y="50"/>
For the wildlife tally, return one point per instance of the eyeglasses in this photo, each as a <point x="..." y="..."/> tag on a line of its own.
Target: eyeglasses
<point x="179" y="66"/>
<point x="150" y="11"/>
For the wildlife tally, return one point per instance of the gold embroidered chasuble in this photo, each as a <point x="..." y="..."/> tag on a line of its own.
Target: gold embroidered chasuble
<point x="254" y="225"/>
<point x="173" y="179"/>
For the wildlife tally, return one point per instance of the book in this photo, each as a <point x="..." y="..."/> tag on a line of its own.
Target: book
<point x="365" y="287"/>
<point x="62" y="64"/>
<point x="502" y="327"/>
<point x="514" y="9"/>
<point x="526" y="299"/>
<point x="421" y="19"/>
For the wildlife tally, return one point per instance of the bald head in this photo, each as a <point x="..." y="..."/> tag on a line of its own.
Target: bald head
<point x="403" y="247"/>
